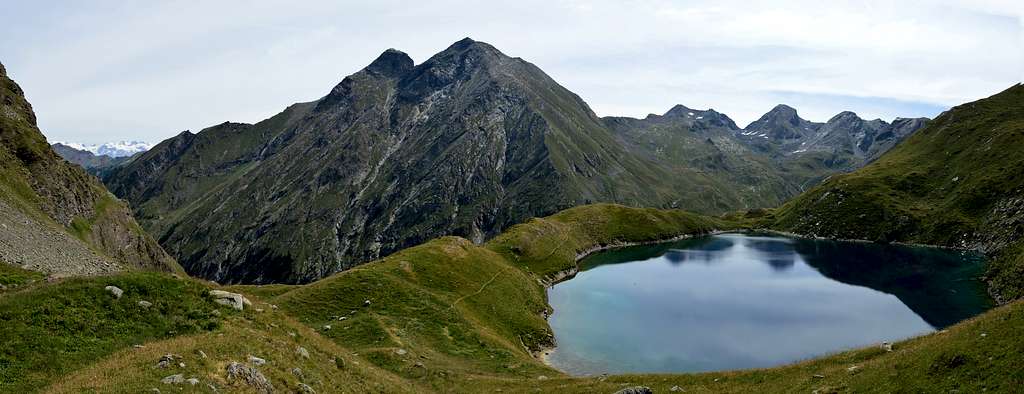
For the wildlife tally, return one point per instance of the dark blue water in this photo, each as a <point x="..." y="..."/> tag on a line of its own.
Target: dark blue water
<point x="740" y="301"/>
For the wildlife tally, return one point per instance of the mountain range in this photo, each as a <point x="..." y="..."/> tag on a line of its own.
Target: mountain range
<point x="110" y="149"/>
<point x="466" y="143"/>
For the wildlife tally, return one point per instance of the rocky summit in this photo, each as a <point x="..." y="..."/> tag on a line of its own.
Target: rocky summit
<point x="466" y="143"/>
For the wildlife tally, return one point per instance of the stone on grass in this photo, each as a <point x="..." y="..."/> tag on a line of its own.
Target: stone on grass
<point x="145" y="304"/>
<point x="297" y="372"/>
<point x="238" y="372"/>
<point x="228" y="298"/>
<point x="192" y="381"/>
<point x="114" y="290"/>
<point x="304" y="388"/>
<point x="173" y="379"/>
<point x="887" y="346"/>
<point x="400" y="352"/>
<point x="256" y="360"/>
<point x="302" y="352"/>
<point x="675" y="389"/>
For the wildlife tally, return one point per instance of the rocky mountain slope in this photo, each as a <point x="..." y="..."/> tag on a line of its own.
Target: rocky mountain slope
<point x="467" y="143"/>
<point x="957" y="182"/>
<point x="54" y="217"/>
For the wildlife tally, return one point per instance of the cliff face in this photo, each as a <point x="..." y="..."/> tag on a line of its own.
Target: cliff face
<point x="68" y="222"/>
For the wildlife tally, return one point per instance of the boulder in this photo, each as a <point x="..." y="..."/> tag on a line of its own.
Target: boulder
<point x="238" y="372"/>
<point x="114" y="290"/>
<point x="228" y="298"/>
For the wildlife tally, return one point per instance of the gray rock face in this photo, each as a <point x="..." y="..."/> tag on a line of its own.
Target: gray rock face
<point x="238" y="372"/>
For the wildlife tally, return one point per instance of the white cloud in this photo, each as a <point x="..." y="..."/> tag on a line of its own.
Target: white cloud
<point x="146" y="70"/>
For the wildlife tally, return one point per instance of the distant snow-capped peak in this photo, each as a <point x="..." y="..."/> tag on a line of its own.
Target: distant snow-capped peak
<point x="112" y="149"/>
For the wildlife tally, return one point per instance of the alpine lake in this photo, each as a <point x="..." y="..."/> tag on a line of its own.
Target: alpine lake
<point x="738" y="301"/>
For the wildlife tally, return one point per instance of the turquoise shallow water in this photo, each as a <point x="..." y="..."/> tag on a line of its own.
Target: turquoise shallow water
<point x="738" y="301"/>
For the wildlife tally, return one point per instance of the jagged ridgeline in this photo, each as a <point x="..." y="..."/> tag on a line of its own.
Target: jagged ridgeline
<point x="958" y="182"/>
<point x="467" y="143"/>
<point x="54" y="217"/>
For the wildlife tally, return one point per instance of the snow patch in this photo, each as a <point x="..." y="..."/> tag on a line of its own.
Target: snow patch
<point x="112" y="149"/>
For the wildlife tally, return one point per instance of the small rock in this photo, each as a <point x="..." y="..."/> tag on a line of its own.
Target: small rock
<point x="400" y="352"/>
<point x="145" y="304"/>
<point x="542" y="377"/>
<point x="259" y="310"/>
<point x="675" y="389"/>
<point x="366" y="303"/>
<point x="635" y="390"/>
<point x="819" y="376"/>
<point x="351" y="312"/>
<point x="327" y="327"/>
<point x="114" y="290"/>
<point x="297" y="372"/>
<point x="272" y="306"/>
<point x="292" y="334"/>
<point x="419" y="365"/>
<point x="304" y="388"/>
<point x="137" y="346"/>
<point x="154" y="390"/>
<point x="166" y="360"/>
<point x="215" y="312"/>
<point x="852" y="368"/>
<point x="192" y="381"/>
<point x="173" y="379"/>
<point x="301" y="351"/>
<point x="343" y="318"/>
<point x="984" y="335"/>
<point x="202" y="354"/>
<point x="256" y="360"/>
<point x="182" y="365"/>
<point x="887" y="346"/>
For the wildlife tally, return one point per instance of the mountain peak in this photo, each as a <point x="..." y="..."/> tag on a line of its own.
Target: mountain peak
<point x="678" y="110"/>
<point x="391" y="63"/>
<point x="844" y="116"/>
<point x="784" y="111"/>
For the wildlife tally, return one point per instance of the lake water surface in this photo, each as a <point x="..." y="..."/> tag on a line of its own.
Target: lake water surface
<point x="741" y="301"/>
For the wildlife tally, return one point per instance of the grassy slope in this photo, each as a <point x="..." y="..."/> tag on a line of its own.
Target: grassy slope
<point x="957" y="182"/>
<point x="451" y="316"/>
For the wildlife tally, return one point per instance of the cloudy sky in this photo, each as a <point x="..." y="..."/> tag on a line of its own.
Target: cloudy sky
<point x="145" y="70"/>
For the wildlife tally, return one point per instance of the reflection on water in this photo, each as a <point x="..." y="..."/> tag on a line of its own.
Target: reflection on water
<point x="740" y="301"/>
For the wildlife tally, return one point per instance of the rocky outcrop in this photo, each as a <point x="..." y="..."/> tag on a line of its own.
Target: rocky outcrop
<point x="76" y="225"/>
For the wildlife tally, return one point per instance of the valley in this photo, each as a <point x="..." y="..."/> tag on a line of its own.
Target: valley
<point x="403" y="234"/>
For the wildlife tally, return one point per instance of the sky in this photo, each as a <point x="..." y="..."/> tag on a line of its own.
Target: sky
<point x="146" y="70"/>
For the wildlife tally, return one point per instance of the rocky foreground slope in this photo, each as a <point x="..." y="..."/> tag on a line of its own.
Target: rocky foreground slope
<point x="54" y="217"/>
<point x="467" y="143"/>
